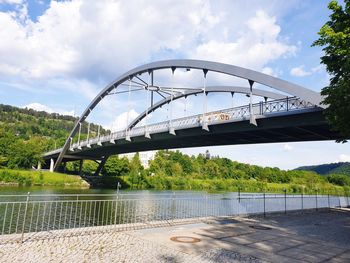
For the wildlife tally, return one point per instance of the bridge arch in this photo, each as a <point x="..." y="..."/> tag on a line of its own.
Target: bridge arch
<point x="243" y="73"/>
<point x="209" y="89"/>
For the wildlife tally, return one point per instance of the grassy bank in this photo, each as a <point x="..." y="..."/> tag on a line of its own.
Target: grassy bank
<point x="42" y="178"/>
<point x="230" y="185"/>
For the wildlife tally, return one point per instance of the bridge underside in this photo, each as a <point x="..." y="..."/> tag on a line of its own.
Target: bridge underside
<point x="306" y="126"/>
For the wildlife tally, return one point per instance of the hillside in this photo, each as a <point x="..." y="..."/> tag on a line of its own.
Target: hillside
<point x="26" y="123"/>
<point x="331" y="168"/>
<point x="26" y="133"/>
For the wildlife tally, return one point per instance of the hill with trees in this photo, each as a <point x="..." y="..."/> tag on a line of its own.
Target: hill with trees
<point x="331" y="168"/>
<point x="25" y="134"/>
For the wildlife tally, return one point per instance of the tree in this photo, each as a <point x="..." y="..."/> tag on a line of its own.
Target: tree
<point x="25" y="154"/>
<point x="135" y="170"/>
<point x="116" y="166"/>
<point x="334" y="37"/>
<point x="339" y="179"/>
<point x="211" y="169"/>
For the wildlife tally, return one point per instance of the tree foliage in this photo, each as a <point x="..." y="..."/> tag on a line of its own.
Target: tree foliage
<point x="25" y="134"/>
<point x="116" y="166"/>
<point x="334" y="37"/>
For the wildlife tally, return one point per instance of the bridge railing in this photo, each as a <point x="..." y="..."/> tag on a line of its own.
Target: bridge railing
<point x="210" y="118"/>
<point x="21" y="214"/>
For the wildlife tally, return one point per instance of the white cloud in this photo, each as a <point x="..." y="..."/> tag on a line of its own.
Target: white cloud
<point x="120" y="122"/>
<point x="98" y="38"/>
<point x="301" y="72"/>
<point x="287" y="147"/>
<point x="76" y="47"/>
<point x="344" y="158"/>
<point x="11" y="2"/>
<point x="258" y="43"/>
<point x="270" y="71"/>
<point x="41" y="107"/>
<point x="318" y="69"/>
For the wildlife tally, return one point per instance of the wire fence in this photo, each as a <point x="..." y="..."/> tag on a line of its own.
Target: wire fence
<point x="21" y="214"/>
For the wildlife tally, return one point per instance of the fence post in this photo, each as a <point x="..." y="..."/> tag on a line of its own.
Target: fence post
<point x="206" y="205"/>
<point x="173" y="206"/>
<point x="329" y="203"/>
<point x="285" y="200"/>
<point x="264" y="206"/>
<point x="316" y="201"/>
<point x="239" y="194"/>
<point x="302" y="200"/>
<point x="25" y="215"/>
<point x="116" y="206"/>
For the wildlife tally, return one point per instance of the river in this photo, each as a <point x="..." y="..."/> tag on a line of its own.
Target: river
<point x="50" y="208"/>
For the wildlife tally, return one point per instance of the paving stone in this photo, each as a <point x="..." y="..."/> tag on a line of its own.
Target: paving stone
<point x="304" y="255"/>
<point x="270" y="246"/>
<point x="345" y="255"/>
<point x="325" y="249"/>
<point x="248" y="239"/>
<point x="108" y="247"/>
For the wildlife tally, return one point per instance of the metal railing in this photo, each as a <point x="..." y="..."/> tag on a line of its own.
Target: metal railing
<point x="211" y="118"/>
<point x="20" y="214"/>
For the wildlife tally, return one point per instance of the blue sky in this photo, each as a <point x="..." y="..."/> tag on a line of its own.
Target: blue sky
<point x="57" y="55"/>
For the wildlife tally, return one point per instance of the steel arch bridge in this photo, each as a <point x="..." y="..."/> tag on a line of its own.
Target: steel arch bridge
<point x="289" y="113"/>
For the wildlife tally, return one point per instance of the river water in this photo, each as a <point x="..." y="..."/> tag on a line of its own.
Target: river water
<point x="59" y="208"/>
<point x="14" y="190"/>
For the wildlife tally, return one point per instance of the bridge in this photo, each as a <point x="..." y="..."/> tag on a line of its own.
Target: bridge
<point x="277" y="111"/>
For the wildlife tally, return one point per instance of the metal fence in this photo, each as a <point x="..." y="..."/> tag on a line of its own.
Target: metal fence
<point x="20" y="214"/>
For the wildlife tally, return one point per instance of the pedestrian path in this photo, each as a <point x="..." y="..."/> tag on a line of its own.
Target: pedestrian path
<point x="309" y="237"/>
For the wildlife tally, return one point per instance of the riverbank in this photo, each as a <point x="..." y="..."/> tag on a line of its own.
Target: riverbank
<point x="16" y="178"/>
<point x="10" y="177"/>
<point x="308" y="237"/>
<point x="231" y="185"/>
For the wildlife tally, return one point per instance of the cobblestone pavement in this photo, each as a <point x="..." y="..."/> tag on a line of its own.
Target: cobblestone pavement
<point x="107" y="247"/>
<point x="279" y="238"/>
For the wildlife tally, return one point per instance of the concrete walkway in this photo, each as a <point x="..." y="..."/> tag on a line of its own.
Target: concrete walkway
<point x="309" y="237"/>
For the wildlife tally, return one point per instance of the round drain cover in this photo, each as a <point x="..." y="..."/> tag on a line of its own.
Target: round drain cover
<point x="185" y="239"/>
<point x="260" y="227"/>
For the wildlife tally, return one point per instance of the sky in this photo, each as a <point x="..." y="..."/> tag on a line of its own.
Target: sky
<point x="57" y="55"/>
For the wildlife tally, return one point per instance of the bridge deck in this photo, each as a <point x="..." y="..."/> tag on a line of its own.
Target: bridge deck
<point x="307" y="124"/>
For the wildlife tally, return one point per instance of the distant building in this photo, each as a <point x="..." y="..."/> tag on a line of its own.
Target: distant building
<point x="145" y="157"/>
<point x="207" y="154"/>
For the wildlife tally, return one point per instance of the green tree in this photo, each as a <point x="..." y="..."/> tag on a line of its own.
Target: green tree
<point x="25" y="154"/>
<point x="334" y="37"/>
<point x="211" y="169"/>
<point x="135" y="170"/>
<point x="89" y="167"/>
<point x="339" y="179"/>
<point x="116" y="166"/>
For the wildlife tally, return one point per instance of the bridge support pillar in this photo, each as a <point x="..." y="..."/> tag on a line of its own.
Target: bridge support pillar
<point x="64" y="167"/>
<point x="81" y="167"/>
<point x="52" y="165"/>
<point x="100" y="166"/>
